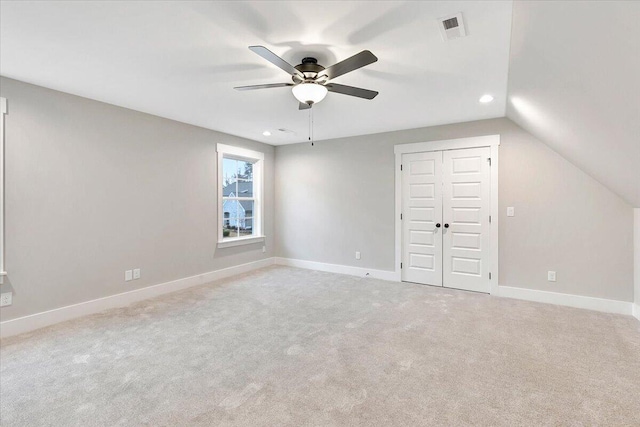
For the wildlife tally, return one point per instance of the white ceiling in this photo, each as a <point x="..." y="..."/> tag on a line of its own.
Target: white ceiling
<point x="574" y="82"/>
<point x="181" y="60"/>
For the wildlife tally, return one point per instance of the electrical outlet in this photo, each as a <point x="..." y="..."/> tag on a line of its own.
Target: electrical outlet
<point x="136" y="274"/>
<point x="551" y="276"/>
<point x="357" y="255"/>
<point x="264" y="249"/>
<point x="128" y="276"/>
<point x="6" y="299"/>
<point x="511" y="211"/>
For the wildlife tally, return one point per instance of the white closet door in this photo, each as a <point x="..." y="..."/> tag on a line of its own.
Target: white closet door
<point x="466" y="208"/>
<point x="421" y="211"/>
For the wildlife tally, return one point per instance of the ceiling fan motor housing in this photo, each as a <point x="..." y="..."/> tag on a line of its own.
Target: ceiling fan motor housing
<point x="309" y="68"/>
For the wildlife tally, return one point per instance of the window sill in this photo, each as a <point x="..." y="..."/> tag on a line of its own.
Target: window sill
<point x="241" y="241"/>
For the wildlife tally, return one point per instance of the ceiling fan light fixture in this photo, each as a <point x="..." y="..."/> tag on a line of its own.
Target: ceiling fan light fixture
<point x="309" y="93"/>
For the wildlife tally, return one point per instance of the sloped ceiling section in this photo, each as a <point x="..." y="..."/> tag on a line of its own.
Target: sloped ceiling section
<point x="574" y="82"/>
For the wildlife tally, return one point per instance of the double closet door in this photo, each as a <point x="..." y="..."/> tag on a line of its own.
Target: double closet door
<point x="445" y="218"/>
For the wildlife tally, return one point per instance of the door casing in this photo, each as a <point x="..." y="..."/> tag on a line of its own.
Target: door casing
<point x="491" y="141"/>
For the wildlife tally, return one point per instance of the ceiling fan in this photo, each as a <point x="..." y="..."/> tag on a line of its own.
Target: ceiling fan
<point x="311" y="81"/>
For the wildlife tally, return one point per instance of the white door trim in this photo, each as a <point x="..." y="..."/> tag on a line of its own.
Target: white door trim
<point x="491" y="141"/>
<point x="3" y="111"/>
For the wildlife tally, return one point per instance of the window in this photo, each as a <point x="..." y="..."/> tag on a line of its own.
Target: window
<point x="239" y="196"/>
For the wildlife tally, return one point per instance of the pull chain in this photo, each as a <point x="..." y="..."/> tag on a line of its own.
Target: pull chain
<point x="311" y="126"/>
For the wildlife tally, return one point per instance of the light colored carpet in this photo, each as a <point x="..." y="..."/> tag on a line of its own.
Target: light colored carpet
<point x="284" y="346"/>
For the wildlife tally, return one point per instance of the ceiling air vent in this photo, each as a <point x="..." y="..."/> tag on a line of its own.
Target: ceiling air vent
<point x="452" y="27"/>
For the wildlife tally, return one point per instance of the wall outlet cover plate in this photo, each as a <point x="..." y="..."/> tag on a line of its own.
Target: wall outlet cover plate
<point x="6" y="299"/>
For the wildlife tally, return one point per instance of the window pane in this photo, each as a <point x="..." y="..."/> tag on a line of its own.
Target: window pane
<point x="229" y="177"/>
<point x="245" y="170"/>
<point x="230" y="230"/>
<point x="229" y="218"/>
<point x="245" y="188"/>
<point x="245" y="208"/>
<point x="245" y="179"/>
<point x="246" y="232"/>
<point x="242" y="219"/>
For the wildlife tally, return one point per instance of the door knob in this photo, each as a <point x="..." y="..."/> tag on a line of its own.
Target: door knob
<point x="446" y="226"/>
<point x="438" y="225"/>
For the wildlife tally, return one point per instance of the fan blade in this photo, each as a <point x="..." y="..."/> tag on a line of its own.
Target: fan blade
<point x="304" y="106"/>
<point x="267" y="86"/>
<point x="275" y="60"/>
<point x="358" y="60"/>
<point x="350" y="90"/>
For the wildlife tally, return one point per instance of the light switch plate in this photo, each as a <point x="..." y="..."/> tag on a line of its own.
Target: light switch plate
<point x="128" y="276"/>
<point x="511" y="211"/>
<point x="358" y="255"/>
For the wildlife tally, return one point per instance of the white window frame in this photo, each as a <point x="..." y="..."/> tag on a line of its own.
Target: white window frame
<point x="257" y="158"/>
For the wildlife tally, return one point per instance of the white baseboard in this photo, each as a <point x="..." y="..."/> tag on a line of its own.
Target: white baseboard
<point x="51" y="317"/>
<point x="577" y="301"/>
<point x="337" y="268"/>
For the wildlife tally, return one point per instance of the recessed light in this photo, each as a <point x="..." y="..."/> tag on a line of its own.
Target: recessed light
<point x="266" y="133"/>
<point x="486" y="99"/>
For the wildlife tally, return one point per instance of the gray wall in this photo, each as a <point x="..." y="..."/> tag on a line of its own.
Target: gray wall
<point x="338" y="197"/>
<point x="93" y="190"/>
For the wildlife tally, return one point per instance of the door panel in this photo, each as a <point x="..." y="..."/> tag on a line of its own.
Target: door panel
<point x="466" y="195"/>
<point x="421" y="210"/>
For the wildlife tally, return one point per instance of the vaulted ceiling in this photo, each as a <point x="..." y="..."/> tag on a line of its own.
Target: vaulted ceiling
<point x="565" y="71"/>
<point x="574" y="82"/>
<point x="181" y="60"/>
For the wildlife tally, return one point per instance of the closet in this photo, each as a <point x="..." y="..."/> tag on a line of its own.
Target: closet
<point x="445" y="217"/>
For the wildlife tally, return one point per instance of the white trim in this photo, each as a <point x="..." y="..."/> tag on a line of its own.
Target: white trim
<point x="239" y="152"/>
<point x="3" y="111"/>
<point x="51" y="317"/>
<point x="494" y="238"/>
<point x="240" y="241"/>
<point x="398" y="201"/>
<point x="58" y="315"/>
<point x="492" y="141"/>
<point x="448" y="144"/>
<point x="258" y="193"/>
<point x="576" y="301"/>
<point x="337" y="268"/>
<point x="636" y="262"/>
